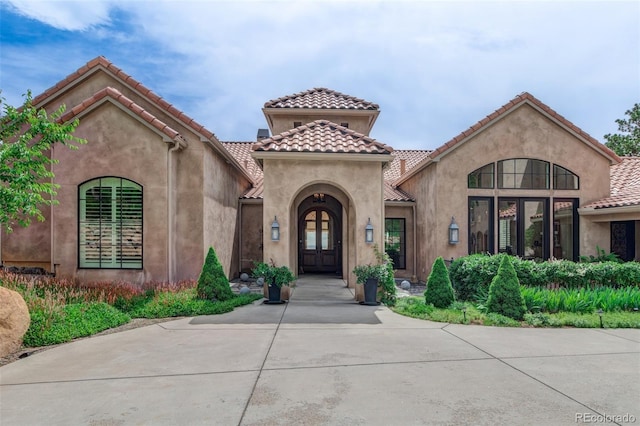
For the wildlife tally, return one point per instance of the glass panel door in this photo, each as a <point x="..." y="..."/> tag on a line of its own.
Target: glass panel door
<point x="507" y="226"/>
<point x="533" y="219"/>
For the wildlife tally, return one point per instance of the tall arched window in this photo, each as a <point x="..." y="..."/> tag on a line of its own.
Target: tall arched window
<point x="110" y="224"/>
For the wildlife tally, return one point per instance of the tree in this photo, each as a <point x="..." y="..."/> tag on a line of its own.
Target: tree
<point x="213" y="283"/>
<point x="505" y="297"/>
<point x="627" y="143"/>
<point x="26" y="180"/>
<point x="439" y="291"/>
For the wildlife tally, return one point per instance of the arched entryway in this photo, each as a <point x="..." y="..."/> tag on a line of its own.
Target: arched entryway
<point x="320" y="235"/>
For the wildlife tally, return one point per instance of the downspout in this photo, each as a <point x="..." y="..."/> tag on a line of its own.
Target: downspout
<point x="176" y="146"/>
<point x="52" y="266"/>
<point x="240" y="206"/>
<point x="415" y="247"/>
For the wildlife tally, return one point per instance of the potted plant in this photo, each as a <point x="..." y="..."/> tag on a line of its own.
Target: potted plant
<point x="274" y="278"/>
<point x="377" y="276"/>
<point x="371" y="276"/>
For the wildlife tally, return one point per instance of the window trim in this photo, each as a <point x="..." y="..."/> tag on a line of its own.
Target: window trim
<point x="520" y="231"/>
<point x="555" y="178"/>
<point x="79" y="226"/>
<point x="492" y="174"/>
<point x="491" y="218"/>
<point x="403" y="246"/>
<point x="548" y="175"/>
<point x="576" y="223"/>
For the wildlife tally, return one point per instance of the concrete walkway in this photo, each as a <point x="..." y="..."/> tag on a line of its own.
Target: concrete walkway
<point x="323" y="359"/>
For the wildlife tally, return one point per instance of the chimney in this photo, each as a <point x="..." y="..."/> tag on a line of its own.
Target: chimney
<point x="262" y="134"/>
<point x="403" y="166"/>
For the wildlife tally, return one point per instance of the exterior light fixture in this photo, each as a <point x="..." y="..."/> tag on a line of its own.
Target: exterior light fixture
<point x="368" y="232"/>
<point x="275" y="229"/>
<point x="454" y="232"/>
<point x="600" y="313"/>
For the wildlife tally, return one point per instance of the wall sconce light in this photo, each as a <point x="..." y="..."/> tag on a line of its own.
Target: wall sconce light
<point x="454" y="232"/>
<point x="275" y="229"/>
<point x="368" y="232"/>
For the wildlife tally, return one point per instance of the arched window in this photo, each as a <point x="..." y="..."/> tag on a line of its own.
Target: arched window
<point x="523" y="173"/>
<point x="110" y="224"/>
<point x="564" y="179"/>
<point x="481" y="178"/>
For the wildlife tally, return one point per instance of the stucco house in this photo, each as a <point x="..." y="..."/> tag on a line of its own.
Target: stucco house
<point x="153" y="189"/>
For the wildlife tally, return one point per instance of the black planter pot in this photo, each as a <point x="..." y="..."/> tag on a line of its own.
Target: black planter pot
<point x="274" y="293"/>
<point x="371" y="291"/>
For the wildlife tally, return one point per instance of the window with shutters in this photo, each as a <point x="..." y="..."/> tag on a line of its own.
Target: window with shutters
<point x="110" y="224"/>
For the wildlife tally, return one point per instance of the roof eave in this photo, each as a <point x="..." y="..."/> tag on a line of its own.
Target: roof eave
<point x="597" y="211"/>
<point x="321" y="156"/>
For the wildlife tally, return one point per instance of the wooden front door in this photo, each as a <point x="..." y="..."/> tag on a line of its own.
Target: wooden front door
<point x="319" y="241"/>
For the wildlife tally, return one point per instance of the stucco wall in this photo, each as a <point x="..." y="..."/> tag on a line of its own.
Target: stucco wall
<point x="360" y="182"/>
<point x="117" y="146"/>
<point x="406" y="213"/>
<point x="220" y="195"/>
<point x="205" y="191"/>
<point x="523" y="133"/>
<point x="251" y="235"/>
<point x="282" y="123"/>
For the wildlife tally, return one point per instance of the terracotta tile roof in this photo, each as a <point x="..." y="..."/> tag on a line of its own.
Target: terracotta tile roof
<point x="322" y="136"/>
<point x="242" y="153"/>
<point x="101" y="62"/>
<point x="395" y="194"/>
<point x="411" y="158"/>
<point x="522" y="99"/>
<point x="256" y="192"/>
<point x="110" y="92"/>
<point x="625" y="185"/>
<point x="321" y="98"/>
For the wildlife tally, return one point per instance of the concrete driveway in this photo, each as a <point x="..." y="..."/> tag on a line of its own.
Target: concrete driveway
<point x="322" y="359"/>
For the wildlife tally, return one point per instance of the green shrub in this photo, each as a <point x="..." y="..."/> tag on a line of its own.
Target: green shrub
<point x="439" y="291"/>
<point x="472" y="275"/>
<point x="608" y="299"/>
<point x="213" y="283"/>
<point x="505" y="297"/>
<point x="413" y="307"/>
<point x="601" y="257"/>
<point x="53" y="326"/>
<point x="186" y="304"/>
<point x="498" y="320"/>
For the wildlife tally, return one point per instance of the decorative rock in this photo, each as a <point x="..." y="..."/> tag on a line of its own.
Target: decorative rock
<point x="260" y="281"/>
<point x="245" y="290"/>
<point x="405" y="285"/>
<point x="14" y="320"/>
<point x="244" y="277"/>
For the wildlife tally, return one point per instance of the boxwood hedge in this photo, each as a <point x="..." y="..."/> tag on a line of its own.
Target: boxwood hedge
<point x="472" y="275"/>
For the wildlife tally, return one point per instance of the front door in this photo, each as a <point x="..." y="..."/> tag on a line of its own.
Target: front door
<point x="319" y="241"/>
<point x="623" y="241"/>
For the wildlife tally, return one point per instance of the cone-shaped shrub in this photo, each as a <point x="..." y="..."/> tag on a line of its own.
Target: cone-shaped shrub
<point x="439" y="291"/>
<point x="213" y="283"/>
<point x="505" y="297"/>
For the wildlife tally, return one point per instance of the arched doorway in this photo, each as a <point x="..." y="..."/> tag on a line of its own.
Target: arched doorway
<point x="320" y="235"/>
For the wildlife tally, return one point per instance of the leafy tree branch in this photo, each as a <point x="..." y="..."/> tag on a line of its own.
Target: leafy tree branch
<point x="26" y="180"/>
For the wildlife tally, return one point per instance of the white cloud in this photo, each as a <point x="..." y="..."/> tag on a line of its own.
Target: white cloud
<point x="64" y="14"/>
<point x="434" y="68"/>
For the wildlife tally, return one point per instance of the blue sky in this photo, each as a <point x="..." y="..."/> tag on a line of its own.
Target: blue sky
<point x="434" y="68"/>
